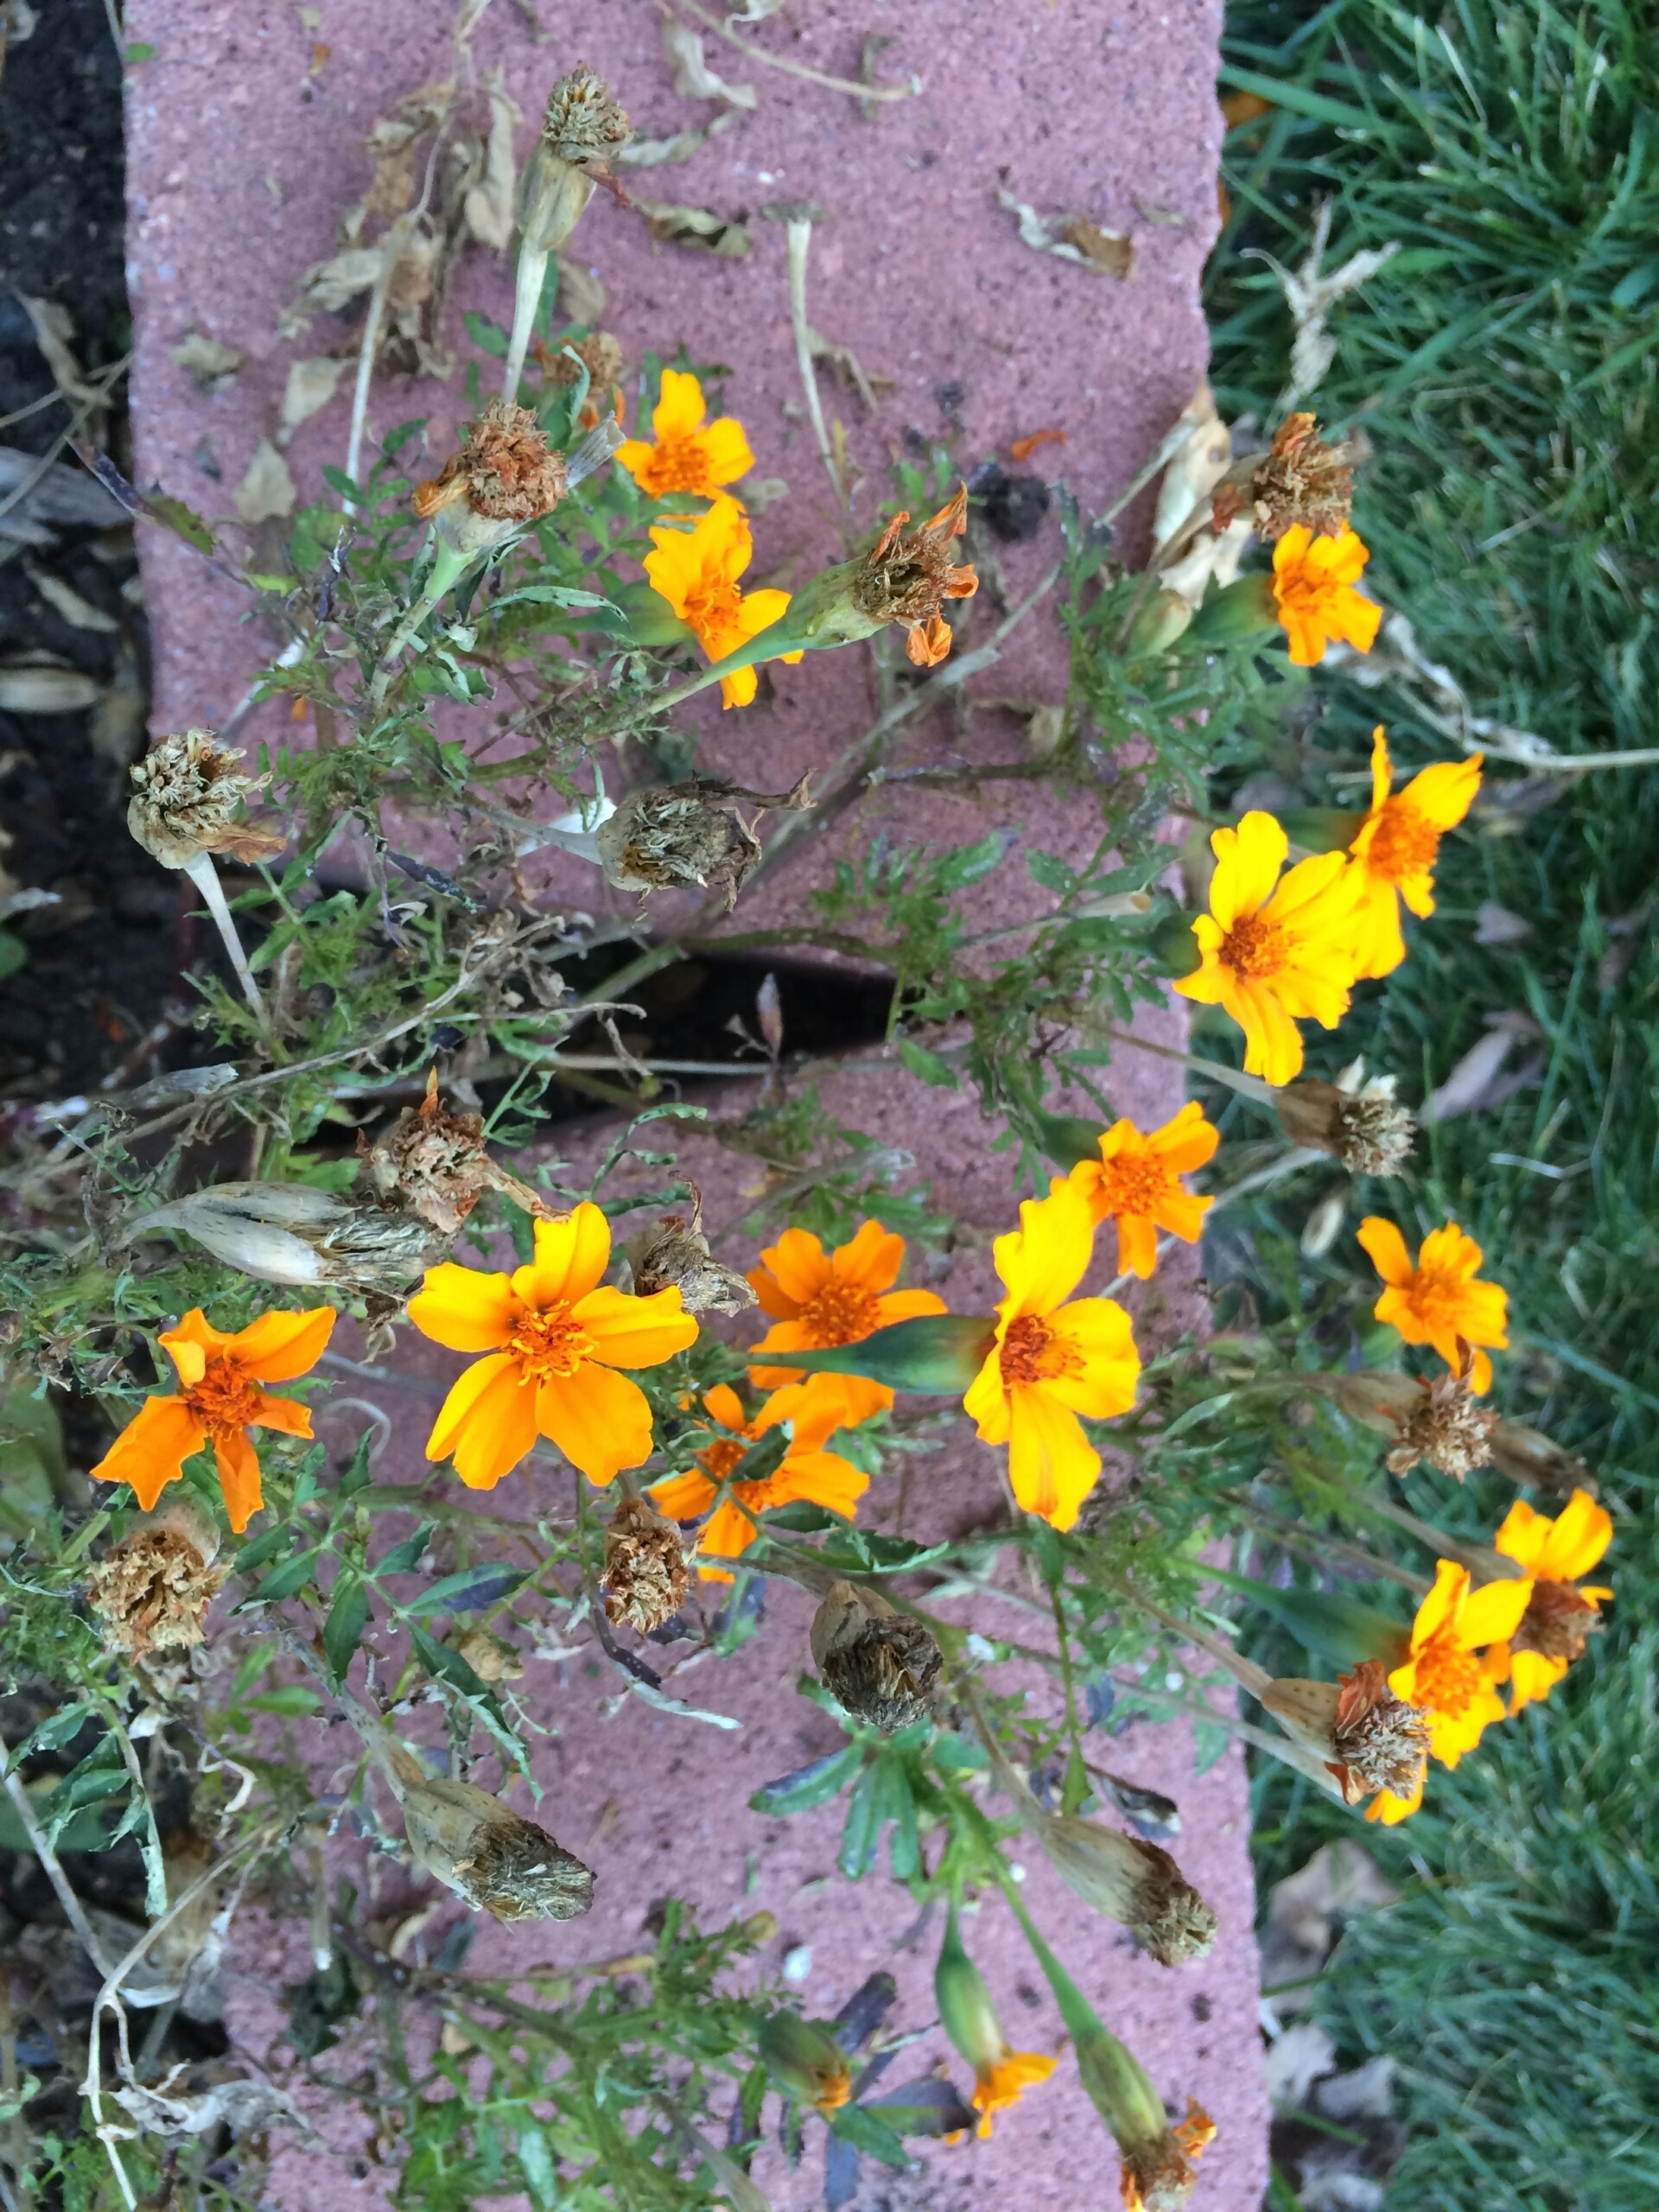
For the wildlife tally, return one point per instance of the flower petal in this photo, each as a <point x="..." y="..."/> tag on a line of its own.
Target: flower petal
<point x="819" y="1478"/>
<point x="279" y="1346"/>
<point x="1137" y="1246"/>
<point x="1444" y="793"/>
<point x="1523" y="1533"/>
<point x="906" y="1305"/>
<point x="1052" y="1465"/>
<point x="191" y="1344"/>
<point x="1442" y="1605"/>
<point x="1247" y="861"/>
<point x="870" y="1258"/>
<point x="599" y="1420"/>
<point x="1382" y="770"/>
<point x="1532" y="1676"/>
<point x="151" y="1449"/>
<point x="986" y="1403"/>
<point x="239" y="1477"/>
<point x="680" y="406"/>
<point x="1043" y="1261"/>
<point x="1186" y="1142"/>
<point x="287" y="1415"/>
<point x="465" y="1309"/>
<point x="725" y="447"/>
<point x="628" y="1331"/>
<point x="798" y="1267"/>
<point x="571" y="1256"/>
<point x="723" y="1404"/>
<point x="1386" y="1246"/>
<point x="1492" y="1613"/>
<point x="465" y="1392"/>
<point x="684" y="1497"/>
<point x="1577" y="1539"/>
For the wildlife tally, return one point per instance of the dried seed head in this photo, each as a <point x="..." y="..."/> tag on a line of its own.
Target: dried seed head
<point x="292" y="1233"/>
<point x="489" y="1855"/>
<point x="1380" y="1742"/>
<point x="881" y="1666"/>
<point x="907" y="576"/>
<point x="152" y="1591"/>
<point x="1448" y="1426"/>
<point x="187" y="794"/>
<point x="1366" y="1129"/>
<point x="1133" y="1881"/>
<point x="645" y="1580"/>
<point x="506" y="471"/>
<point x="1302" y="480"/>
<point x="1158" y="2175"/>
<point x="1557" y="1622"/>
<point x="432" y="1163"/>
<point x="676" y="833"/>
<point x="583" y="124"/>
<point x="675" y="1255"/>
<point x="1389" y="1403"/>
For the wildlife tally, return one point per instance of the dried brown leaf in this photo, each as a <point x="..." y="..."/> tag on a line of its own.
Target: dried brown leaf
<point x="697" y="228"/>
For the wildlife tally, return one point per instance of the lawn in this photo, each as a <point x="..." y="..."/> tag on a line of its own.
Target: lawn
<point x="1503" y="366"/>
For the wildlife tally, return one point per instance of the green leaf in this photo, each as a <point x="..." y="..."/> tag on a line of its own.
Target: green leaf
<point x="404" y="1558"/>
<point x="283" y="1581"/>
<point x="488" y="336"/>
<point x="184" y="522"/>
<point x="861" y="1833"/>
<point x="14" y="953"/>
<point x="1051" y="873"/>
<point x="928" y="1065"/>
<point x="359" y="1475"/>
<point x="293" y="1700"/>
<point x="468" y="1591"/>
<point x="264" y="1548"/>
<point x="445" y="1665"/>
<point x="810" y="1785"/>
<point x="859" y="2126"/>
<point x="349" y="1616"/>
<point x="895" y="1803"/>
<point x="138" y="50"/>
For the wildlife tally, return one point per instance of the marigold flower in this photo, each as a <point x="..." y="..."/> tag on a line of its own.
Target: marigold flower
<point x="506" y="471"/>
<point x="697" y="571"/>
<point x="1136" y="1183"/>
<point x="1559" y="1616"/>
<point x="1395" y="848"/>
<point x="1271" y="949"/>
<point x="1440" y="1301"/>
<point x="690" y="455"/>
<point x="970" y="2018"/>
<point x="817" y="1299"/>
<point x="1051" y="1361"/>
<point x="1314" y="580"/>
<point x="187" y="795"/>
<point x="1158" y="2176"/>
<point x="1443" y="1677"/>
<point x="221" y="1400"/>
<point x="907" y="577"/>
<point x="806" y="1473"/>
<point x="555" y="1335"/>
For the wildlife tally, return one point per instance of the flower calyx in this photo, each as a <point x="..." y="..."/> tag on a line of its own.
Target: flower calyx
<point x="492" y="1859"/>
<point x="1362" y="1126"/>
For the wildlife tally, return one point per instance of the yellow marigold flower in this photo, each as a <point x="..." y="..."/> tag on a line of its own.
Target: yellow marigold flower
<point x="1314" y="580"/>
<point x="817" y="1299"/>
<point x="970" y="2018"/>
<point x="1559" y="1616"/>
<point x="1136" y="1183"/>
<point x="697" y="571"/>
<point x="806" y="1472"/>
<point x="690" y="455"/>
<point x="1271" y="949"/>
<point x="1395" y="848"/>
<point x="220" y="1401"/>
<point x="1443" y="1677"/>
<point x="555" y="1335"/>
<point x="1050" y="1361"/>
<point x="1440" y="1301"/>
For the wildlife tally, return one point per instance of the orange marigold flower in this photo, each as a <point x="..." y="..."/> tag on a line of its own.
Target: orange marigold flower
<point x="1440" y="1301"/>
<point x="968" y="2016"/>
<point x="555" y="1335"/>
<point x="907" y="577"/>
<point x="1395" y="848"/>
<point x="690" y="455"/>
<point x="1050" y="1361"/>
<point x="1271" y="949"/>
<point x="697" y="570"/>
<point x="806" y="1472"/>
<point x="1314" y="580"/>
<point x="1561" y="1612"/>
<point x="220" y="1401"/>
<point x="817" y="1299"/>
<point x="1136" y="1183"/>
<point x="1443" y="1677"/>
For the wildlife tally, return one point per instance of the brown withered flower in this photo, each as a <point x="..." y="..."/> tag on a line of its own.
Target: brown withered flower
<point x="432" y="1161"/>
<point x="152" y="1591"/>
<point x="645" y="1580"/>
<point x="506" y="471"/>
<point x="1158" y="2175"/>
<point x="582" y="123"/>
<point x="1302" y="480"/>
<point x="1364" y="1127"/>
<point x="880" y="1665"/>
<point x="601" y="355"/>
<point x="907" y="575"/>
<point x="490" y="1659"/>
<point x="1132" y="1881"/>
<point x="1369" y="1738"/>
<point x="665" y="835"/>
<point x="188" y="793"/>
<point x="1448" y="1426"/>
<point x="1387" y="1403"/>
<point x="489" y="1855"/>
<point x="675" y="1255"/>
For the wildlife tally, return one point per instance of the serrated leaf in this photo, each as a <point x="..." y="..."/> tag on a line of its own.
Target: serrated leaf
<point x="860" y="2125"/>
<point x="861" y="1830"/>
<point x="928" y="1065"/>
<point x="1051" y="872"/>
<point x="359" y="1475"/>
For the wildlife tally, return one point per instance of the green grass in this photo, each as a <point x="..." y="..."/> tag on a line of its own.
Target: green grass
<point x="1504" y="367"/>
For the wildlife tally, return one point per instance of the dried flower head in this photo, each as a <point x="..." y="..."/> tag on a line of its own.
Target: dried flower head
<point x="1361" y="1125"/>
<point x="506" y="471"/>
<point x="293" y="1233"/>
<point x="1448" y="1426"/>
<point x="432" y="1162"/>
<point x="1387" y="1403"/>
<point x="1302" y="480"/>
<point x="582" y="123"/>
<point x="1380" y="1742"/>
<point x="152" y="1591"/>
<point x="645" y="1580"/>
<point x="907" y="575"/>
<point x="601" y="355"/>
<point x="672" y="834"/>
<point x="489" y="1855"/>
<point x="187" y="794"/>
<point x="675" y="1255"/>
<point x="1130" y="1880"/>
<point x="881" y="1666"/>
<point x="1158" y="2175"/>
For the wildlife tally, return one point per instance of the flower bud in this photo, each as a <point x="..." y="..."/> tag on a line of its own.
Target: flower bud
<point x="1239" y="611"/>
<point x="675" y="1255"/>
<point x="292" y="1233"/>
<point x="644" y="1579"/>
<point x="968" y="2017"/>
<point x="1365" y="1129"/>
<point x="937" y="1354"/>
<point x="187" y="797"/>
<point x="490" y="1856"/>
<point x="1130" y="1880"/>
<point x="881" y="1666"/>
<point x="152" y="1591"/>
<point x="432" y="1163"/>
<point x="1369" y="1738"/>
<point x="805" y="2062"/>
<point x="1165" y="618"/>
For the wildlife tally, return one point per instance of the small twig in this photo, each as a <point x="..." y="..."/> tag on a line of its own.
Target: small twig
<point x="800" y="68"/>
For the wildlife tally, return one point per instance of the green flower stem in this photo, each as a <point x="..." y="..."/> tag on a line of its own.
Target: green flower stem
<point x="449" y="564"/>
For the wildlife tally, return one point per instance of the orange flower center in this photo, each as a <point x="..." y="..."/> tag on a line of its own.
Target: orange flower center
<point x="678" y="464"/>
<point x="1448" y="1680"/>
<point x="712" y="607"/>
<point x="549" y="1345"/>
<point x="1439" y="1298"/>
<point x="1132" y="1184"/>
<point x="223" y="1399"/>
<point x="840" y="1313"/>
<point x="1403" y="843"/>
<point x="718" y="1461"/>
<point x="1033" y="1353"/>
<point x="1253" y="947"/>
